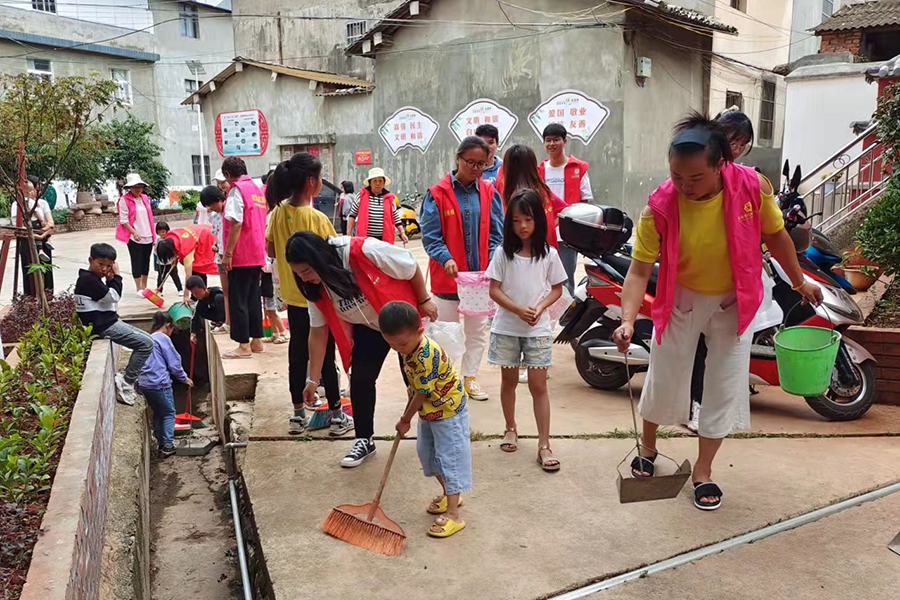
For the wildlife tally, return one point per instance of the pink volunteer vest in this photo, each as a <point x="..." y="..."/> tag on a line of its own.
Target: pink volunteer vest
<point x="743" y="232"/>
<point x="250" y="250"/>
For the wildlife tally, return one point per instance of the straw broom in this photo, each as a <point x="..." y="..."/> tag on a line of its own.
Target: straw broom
<point x="366" y="525"/>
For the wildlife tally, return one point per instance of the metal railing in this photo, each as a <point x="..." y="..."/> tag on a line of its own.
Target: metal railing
<point x="848" y="183"/>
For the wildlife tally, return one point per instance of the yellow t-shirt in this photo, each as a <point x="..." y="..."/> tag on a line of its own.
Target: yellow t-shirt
<point x="703" y="261"/>
<point x="430" y="373"/>
<point x="284" y="221"/>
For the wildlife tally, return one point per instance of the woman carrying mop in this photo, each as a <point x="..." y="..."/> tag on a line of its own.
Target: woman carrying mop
<point x="705" y="224"/>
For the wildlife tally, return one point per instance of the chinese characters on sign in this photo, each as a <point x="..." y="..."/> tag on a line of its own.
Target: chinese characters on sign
<point x="364" y="157"/>
<point x="483" y="112"/>
<point x="408" y="128"/>
<point x="581" y="115"/>
<point x="242" y="133"/>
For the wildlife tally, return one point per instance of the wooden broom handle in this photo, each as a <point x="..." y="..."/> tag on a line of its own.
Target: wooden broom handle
<point x="384" y="477"/>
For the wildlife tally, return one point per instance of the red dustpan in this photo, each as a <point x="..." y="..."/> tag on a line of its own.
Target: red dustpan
<point x="187" y="417"/>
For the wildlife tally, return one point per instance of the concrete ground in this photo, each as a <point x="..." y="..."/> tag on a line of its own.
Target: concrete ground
<point x="544" y="533"/>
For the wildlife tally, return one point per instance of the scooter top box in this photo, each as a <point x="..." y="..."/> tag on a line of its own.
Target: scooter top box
<point x="594" y="230"/>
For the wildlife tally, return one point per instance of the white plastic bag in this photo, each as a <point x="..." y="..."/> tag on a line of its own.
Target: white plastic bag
<point x="558" y="308"/>
<point x="448" y="336"/>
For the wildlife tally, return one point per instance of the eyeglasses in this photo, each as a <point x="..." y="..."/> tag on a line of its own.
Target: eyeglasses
<point x="475" y="165"/>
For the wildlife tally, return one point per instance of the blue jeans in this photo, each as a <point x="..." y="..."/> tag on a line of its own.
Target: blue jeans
<point x="163" y="404"/>
<point x="444" y="449"/>
<point x="569" y="258"/>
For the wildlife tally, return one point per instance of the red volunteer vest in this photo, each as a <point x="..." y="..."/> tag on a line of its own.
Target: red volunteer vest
<point x="377" y="288"/>
<point x="198" y="239"/>
<point x="451" y="228"/>
<point x="362" y="218"/>
<point x="573" y="173"/>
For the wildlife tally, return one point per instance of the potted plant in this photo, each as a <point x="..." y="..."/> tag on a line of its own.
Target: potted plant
<point x="861" y="277"/>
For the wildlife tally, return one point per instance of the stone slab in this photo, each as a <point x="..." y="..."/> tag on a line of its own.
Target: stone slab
<point x="532" y="534"/>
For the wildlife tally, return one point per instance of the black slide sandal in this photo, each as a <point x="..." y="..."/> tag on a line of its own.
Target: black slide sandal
<point x="643" y="464"/>
<point x="707" y="489"/>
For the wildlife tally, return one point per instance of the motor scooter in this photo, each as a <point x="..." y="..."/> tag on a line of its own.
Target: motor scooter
<point x="595" y="313"/>
<point x="409" y="213"/>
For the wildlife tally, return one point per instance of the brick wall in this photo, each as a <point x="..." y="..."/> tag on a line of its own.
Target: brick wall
<point x="884" y="344"/>
<point x="109" y="221"/>
<point x="841" y="41"/>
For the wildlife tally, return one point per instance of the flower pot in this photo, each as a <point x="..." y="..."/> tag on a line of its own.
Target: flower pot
<point x="858" y="279"/>
<point x="83" y="197"/>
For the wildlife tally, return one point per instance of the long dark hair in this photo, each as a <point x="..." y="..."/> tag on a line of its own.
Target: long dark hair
<point x="698" y="133"/>
<point x="306" y="247"/>
<point x="737" y="126"/>
<point x="160" y="320"/>
<point x="347" y="187"/>
<point x="528" y="202"/>
<point x="290" y="177"/>
<point x="520" y="170"/>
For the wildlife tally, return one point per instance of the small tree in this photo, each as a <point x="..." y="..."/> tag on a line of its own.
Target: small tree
<point x="888" y="132"/>
<point x="45" y="120"/>
<point x="130" y="149"/>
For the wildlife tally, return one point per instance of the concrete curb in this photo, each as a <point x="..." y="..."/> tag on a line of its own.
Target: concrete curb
<point x="67" y="557"/>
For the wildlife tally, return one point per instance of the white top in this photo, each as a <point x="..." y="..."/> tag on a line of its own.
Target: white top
<point x="555" y="179"/>
<point x="393" y="260"/>
<point x="234" y="205"/>
<point x="203" y="215"/>
<point x="526" y="282"/>
<point x="42" y="211"/>
<point x="143" y="233"/>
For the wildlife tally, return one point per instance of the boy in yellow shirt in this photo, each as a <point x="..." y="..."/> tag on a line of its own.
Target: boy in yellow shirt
<point x="437" y="395"/>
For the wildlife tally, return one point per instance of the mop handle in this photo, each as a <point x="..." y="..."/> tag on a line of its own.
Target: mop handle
<point x="191" y="377"/>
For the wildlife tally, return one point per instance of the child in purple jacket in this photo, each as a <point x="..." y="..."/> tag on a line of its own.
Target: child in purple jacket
<point x="156" y="382"/>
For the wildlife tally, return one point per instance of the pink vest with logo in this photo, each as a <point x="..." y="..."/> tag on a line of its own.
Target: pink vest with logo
<point x="250" y="250"/>
<point x="742" y="229"/>
<point x="122" y="234"/>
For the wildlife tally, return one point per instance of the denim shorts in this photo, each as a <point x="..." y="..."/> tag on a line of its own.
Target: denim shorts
<point x="269" y="303"/>
<point x="520" y="352"/>
<point x="443" y="448"/>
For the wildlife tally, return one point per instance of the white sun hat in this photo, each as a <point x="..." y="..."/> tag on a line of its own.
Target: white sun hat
<point x="134" y="179"/>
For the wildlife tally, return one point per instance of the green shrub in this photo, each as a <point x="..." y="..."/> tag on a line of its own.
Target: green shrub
<point x="60" y="215"/>
<point x="188" y="200"/>
<point x="879" y="235"/>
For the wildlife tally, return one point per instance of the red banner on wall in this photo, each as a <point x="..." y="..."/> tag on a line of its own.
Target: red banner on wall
<point x="364" y="157"/>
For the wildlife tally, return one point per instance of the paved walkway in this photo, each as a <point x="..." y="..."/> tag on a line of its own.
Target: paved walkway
<point x="531" y="534"/>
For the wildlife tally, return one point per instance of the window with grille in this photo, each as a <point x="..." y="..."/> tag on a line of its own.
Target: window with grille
<point x="355" y="30"/>
<point x="740" y="5"/>
<point x="122" y="77"/>
<point x="827" y="8"/>
<point x="190" y="21"/>
<point x="734" y="99"/>
<point x="767" y="111"/>
<point x="44" y="5"/>
<point x="195" y="165"/>
<point x="40" y="67"/>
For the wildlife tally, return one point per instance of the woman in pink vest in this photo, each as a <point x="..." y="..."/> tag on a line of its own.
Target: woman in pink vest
<point x="244" y="230"/>
<point x="705" y="224"/>
<point x="136" y="228"/>
<point x="347" y="281"/>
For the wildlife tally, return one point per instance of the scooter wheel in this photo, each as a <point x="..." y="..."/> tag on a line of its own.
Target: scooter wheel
<point x="599" y="374"/>
<point x="835" y="406"/>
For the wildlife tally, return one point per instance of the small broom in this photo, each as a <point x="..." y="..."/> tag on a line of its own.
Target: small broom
<point x="366" y="525"/>
<point x="186" y="417"/>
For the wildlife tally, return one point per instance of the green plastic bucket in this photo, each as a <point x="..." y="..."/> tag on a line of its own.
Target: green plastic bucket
<point x="805" y="357"/>
<point x="181" y="313"/>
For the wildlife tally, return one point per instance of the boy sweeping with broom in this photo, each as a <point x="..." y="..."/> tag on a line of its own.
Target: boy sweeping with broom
<point x="438" y="396"/>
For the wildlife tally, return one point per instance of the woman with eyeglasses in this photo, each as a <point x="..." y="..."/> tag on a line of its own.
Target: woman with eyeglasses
<point x="462" y="225"/>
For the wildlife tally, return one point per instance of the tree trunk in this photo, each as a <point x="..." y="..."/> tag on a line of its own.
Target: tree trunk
<point x="38" y="275"/>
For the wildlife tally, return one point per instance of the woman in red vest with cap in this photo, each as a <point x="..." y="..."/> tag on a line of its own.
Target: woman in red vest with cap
<point x="192" y="246"/>
<point x="704" y="224"/>
<point x="462" y="225"/>
<point x="373" y="212"/>
<point x="347" y="281"/>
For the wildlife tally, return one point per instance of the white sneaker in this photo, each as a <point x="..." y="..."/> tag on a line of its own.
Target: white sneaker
<point x="297" y="425"/>
<point x="140" y="293"/>
<point x="125" y="391"/>
<point x="523" y="375"/>
<point x="694" y="423"/>
<point x="341" y="425"/>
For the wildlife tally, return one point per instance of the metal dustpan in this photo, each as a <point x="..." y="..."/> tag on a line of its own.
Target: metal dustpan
<point x="894" y="546"/>
<point x="645" y="489"/>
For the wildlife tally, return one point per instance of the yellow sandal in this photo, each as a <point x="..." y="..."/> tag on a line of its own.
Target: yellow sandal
<point x="441" y="503"/>
<point x="447" y="528"/>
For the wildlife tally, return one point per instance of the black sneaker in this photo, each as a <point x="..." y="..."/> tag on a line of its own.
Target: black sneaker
<point x="166" y="451"/>
<point x="362" y="449"/>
